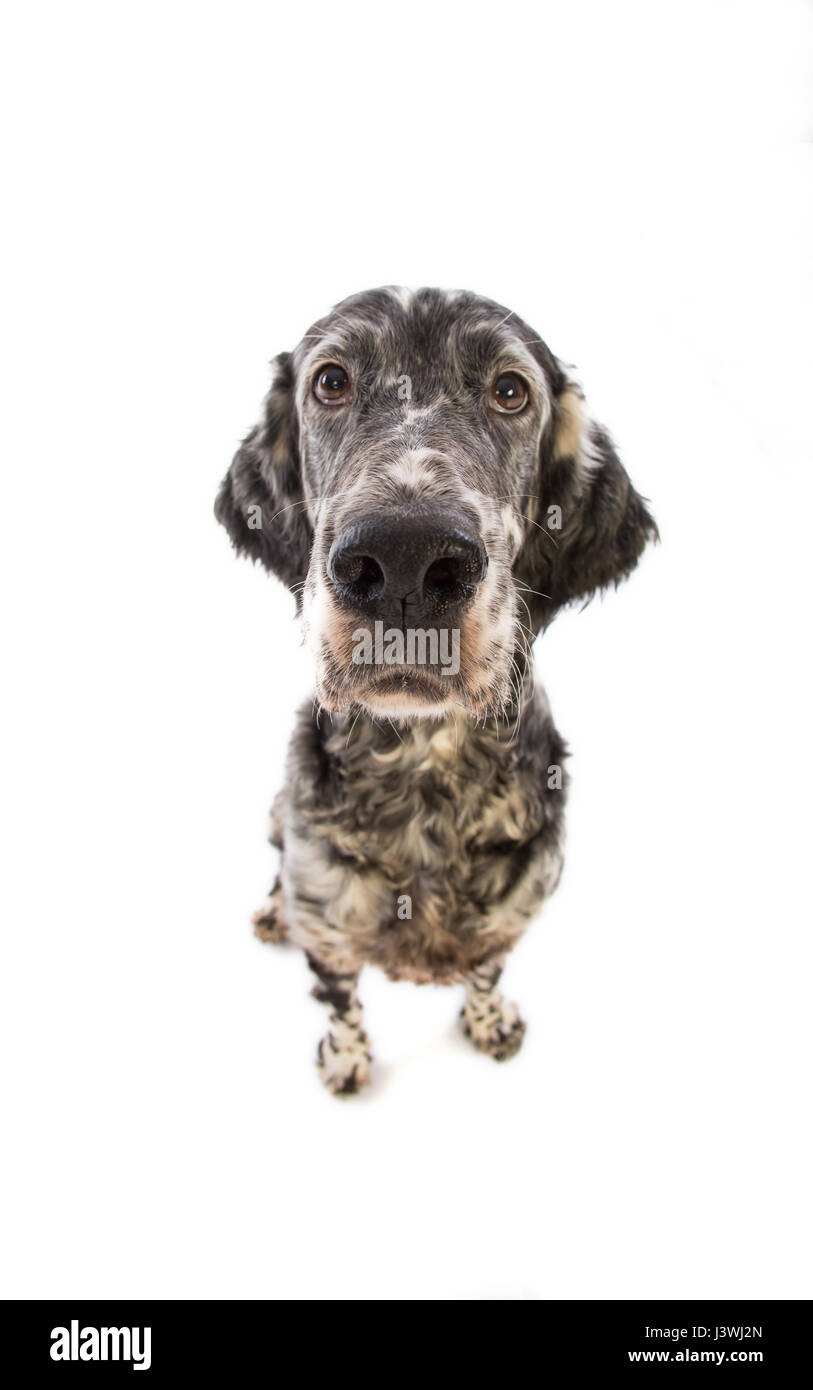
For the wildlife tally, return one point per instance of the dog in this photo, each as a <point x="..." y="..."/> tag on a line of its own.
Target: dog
<point x="427" y="480"/>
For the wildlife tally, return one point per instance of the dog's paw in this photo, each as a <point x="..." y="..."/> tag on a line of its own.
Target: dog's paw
<point x="344" y="1068"/>
<point x="269" y="921"/>
<point x="497" y="1030"/>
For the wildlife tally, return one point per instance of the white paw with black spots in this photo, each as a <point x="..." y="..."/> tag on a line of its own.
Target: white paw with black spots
<point x="344" y="1067"/>
<point x="494" y="1028"/>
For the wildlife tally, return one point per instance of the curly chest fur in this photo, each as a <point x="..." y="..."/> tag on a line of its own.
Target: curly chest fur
<point x="425" y="852"/>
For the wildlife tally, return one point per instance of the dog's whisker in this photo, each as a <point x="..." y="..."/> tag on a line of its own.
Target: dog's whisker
<point x="312" y="501"/>
<point x="352" y="727"/>
<point x="523" y="516"/>
<point x="543" y="529"/>
<point x="526" y="589"/>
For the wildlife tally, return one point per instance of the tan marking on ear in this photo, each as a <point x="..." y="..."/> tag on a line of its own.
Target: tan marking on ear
<point x="571" y="422"/>
<point x="572" y="438"/>
<point x="280" y="452"/>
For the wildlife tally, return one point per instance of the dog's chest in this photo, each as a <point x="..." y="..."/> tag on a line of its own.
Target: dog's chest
<point x="429" y="831"/>
<point x="432" y="803"/>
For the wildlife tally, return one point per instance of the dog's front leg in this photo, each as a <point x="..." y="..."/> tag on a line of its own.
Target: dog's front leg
<point x="343" y="1056"/>
<point x="492" y="1023"/>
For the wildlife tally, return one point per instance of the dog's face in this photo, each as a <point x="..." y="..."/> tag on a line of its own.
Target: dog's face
<point x="426" y="478"/>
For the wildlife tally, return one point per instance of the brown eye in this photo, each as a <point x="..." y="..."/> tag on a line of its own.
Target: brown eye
<point x="332" y="385"/>
<point x="509" y="393"/>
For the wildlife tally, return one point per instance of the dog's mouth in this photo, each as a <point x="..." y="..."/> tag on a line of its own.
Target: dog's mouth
<point x="408" y="682"/>
<point x="406" y="671"/>
<point x="397" y="691"/>
<point x="405" y="695"/>
<point x="406" y="692"/>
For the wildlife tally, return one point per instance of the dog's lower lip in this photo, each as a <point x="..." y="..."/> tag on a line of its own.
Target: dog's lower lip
<point x="413" y="683"/>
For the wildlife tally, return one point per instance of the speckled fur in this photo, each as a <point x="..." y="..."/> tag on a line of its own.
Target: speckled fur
<point x="458" y="818"/>
<point x="456" y="810"/>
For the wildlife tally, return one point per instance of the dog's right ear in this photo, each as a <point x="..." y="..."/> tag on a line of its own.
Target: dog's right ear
<point x="260" y="501"/>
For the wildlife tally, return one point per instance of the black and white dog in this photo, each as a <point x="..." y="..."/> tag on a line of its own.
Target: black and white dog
<point x="427" y="480"/>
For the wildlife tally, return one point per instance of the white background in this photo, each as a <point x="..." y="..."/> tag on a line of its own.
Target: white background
<point x="186" y="188"/>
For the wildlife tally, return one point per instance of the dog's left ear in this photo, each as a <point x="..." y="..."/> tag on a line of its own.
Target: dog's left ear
<point x="589" y="524"/>
<point x="260" y="501"/>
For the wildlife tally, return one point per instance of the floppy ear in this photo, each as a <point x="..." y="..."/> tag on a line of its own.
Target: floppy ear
<point x="260" y="501"/>
<point x="590" y="525"/>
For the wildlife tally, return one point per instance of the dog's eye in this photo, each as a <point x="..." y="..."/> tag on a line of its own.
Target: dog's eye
<point x="509" y="393"/>
<point x="332" y="385"/>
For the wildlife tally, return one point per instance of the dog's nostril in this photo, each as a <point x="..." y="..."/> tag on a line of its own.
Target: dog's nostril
<point x="359" y="573"/>
<point x="370" y="577"/>
<point x="452" y="579"/>
<point x="444" y="576"/>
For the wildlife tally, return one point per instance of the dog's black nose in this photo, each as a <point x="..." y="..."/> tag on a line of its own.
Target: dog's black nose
<point x="426" y="564"/>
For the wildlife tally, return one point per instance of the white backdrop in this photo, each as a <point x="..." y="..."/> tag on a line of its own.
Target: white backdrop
<point x="187" y="187"/>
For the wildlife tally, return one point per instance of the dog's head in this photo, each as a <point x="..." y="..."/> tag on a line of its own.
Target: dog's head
<point x="428" y="481"/>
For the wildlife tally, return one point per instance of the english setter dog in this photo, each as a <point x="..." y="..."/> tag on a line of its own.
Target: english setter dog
<point x="427" y="480"/>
